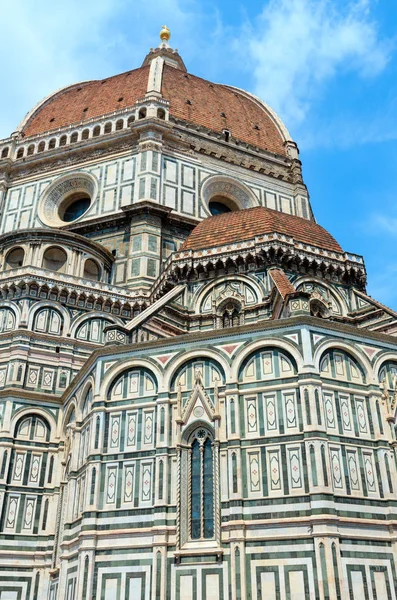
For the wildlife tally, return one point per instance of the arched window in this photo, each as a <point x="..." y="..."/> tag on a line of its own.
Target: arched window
<point x="31" y="149"/>
<point x="388" y="376"/>
<point x="119" y="124"/>
<point x="48" y="320"/>
<point x="20" y="152"/>
<point x="86" y="134"/>
<point x="389" y="479"/>
<point x="161" y="480"/>
<point x="14" y="258"/>
<point x="313" y="466"/>
<point x="131" y="120"/>
<point x="33" y="428"/>
<point x="74" y="137"/>
<point x="4" y="152"/>
<point x="41" y="147"/>
<point x="319" y="309"/>
<point x="108" y="128"/>
<point x="97" y="432"/>
<point x="96" y="131"/>
<point x="50" y="470"/>
<point x="93" y="483"/>
<point x="63" y="140"/>
<point x="92" y="270"/>
<point x="45" y="515"/>
<point x="161" y="113"/>
<point x="52" y="143"/>
<point x="338" y="365"/>
<point x="87" y="401"/>
<point x="324" y="466"/>
<point x="307" y="407"/>
<point x="85" y="578"/>
<point x="234" y="473"/>
<point x="162" y="423"/>
<point x="232" y="417"/>
<point x="91" y="330"/>
<point x="7" y="320"/>
<point x="142" y="113"/>
<point x="3" y="464"/>
<point x="54" y="259"/>
<point x="132" y="383"/>
<point x="200" y="489"/>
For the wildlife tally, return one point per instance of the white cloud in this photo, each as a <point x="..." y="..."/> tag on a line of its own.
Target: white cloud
<point x="292" y="50"/>
<point x="52" y="44"/>
<point x="297" y="46"/>
<point x="48" y="46"/>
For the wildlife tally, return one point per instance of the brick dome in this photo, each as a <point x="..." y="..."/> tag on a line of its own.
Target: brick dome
<point x="244" y="225"/>
<point x="192" y="100"/>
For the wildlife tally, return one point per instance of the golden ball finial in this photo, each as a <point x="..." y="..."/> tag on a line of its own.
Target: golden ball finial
<point x="165" y="34"/>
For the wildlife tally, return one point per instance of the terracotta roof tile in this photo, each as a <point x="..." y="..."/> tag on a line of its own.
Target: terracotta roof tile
<point x="282" y="282"/>
<point x="208" y="102"/>
<point x="101" y="97"/>
<point x="242" y="225"/>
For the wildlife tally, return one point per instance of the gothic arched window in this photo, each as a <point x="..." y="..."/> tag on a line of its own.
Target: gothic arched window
<point x="201" y="486"/>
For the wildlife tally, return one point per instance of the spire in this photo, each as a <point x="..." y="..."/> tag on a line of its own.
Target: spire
<point x="170" y="56"/>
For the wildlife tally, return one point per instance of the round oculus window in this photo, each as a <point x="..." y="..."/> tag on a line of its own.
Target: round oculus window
<point x="67" y="199"/>
<point x="75" y="208"/>
<point x="218" y="208"/>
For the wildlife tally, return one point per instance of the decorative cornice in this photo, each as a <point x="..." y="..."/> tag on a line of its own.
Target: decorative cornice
<point x="186" y="340"/>
<point x="67" y="287"/>
<point x="265" y="250"/>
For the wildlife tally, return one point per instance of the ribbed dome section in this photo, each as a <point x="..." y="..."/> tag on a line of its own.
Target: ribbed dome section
<point x="220" y="108"/>
<point x="244" y="225"/>
<point x="88" y="100"/>
<point x="215" y="107"/>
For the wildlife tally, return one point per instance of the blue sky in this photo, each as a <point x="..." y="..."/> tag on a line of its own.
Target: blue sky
<point x="328" y="67"/>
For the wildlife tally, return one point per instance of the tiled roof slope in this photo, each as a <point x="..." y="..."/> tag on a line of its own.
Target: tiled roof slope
<point x="191" y="99"/>
<point x="101" y="97"/>
<point x="209" y="101"/>
<point x="242" y="225"/>
<point x="282" y="282"/>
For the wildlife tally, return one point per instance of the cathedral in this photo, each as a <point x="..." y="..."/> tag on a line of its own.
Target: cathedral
<point x="197" y="394"/>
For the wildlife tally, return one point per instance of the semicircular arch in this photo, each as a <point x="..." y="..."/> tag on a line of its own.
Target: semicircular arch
<point x="353" y="351"/>
<point x="381" y="361"/>
<point x="334" y="293"/>
<point x="244" y="353"/>
<point x="71" y="407"/>
<point x="31" y="411"/>
<point x="116" y="370"/>
<point x="231" y="189"/>
<point x="201" y="295"/>
<point x="54" y="306"/>
<point x="196" y="354"/>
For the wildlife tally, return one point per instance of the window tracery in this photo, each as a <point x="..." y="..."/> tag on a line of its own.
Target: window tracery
<point x="201" y="485"/>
